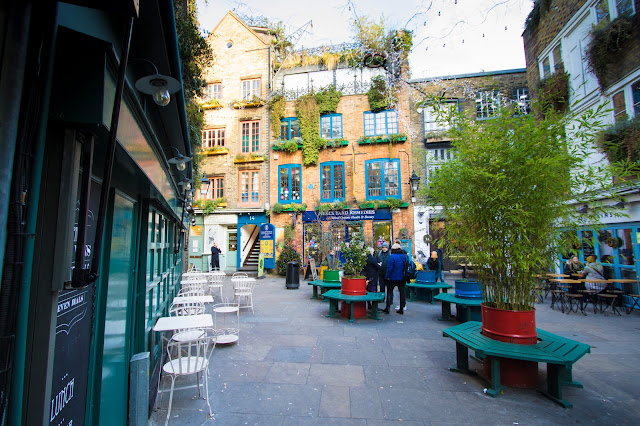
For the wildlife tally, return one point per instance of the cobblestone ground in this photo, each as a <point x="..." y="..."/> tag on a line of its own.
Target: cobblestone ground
<point x="292" y="366"/>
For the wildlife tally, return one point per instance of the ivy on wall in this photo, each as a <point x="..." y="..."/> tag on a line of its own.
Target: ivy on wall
<point x="328" y="99"/>
<point x="380" y="97"/>
<point x="308" y="115"/>
<point x="276" y="106"/>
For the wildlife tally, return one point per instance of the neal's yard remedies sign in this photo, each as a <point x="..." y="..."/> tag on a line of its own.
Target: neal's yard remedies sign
<point x="73" y="337"/>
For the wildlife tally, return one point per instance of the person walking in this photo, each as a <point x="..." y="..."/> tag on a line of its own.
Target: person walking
<point x="383" y="260"/>
<point x="395" y="276"/>
<point x="370" y="271"/>
<point x="215" y="257"/>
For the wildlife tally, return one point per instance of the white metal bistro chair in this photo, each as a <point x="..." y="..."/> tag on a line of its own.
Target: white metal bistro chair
<point x="216" y="282"/>
<point x="226" y="322"/>
<point x="184" y="309"/>
<point x="191" y="290"/>
<point x="186" y="358"/>
<point x="243" y="292"/>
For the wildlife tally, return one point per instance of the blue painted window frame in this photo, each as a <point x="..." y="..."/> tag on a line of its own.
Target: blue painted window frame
<point x="288" y="168"/>
<point x="333" y="198"/>
<point x="291" y="129"/>
<point x="383" y="178"/>
<point x="374" y="116"/>
<point x="331" y="118"/>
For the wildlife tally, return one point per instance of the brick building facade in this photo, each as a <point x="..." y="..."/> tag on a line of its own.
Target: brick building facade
<point x="558" y="38"/>
<point x="479" y="96"/>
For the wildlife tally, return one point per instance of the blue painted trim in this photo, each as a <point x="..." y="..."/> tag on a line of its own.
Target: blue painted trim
<point x="289" y="168"/>
<point x="333" y="171"/>
<point x="288" y="121"/>
<point x="366" y="177"/>
<point x="376" y="131"/>
<point x="330" y="117"/>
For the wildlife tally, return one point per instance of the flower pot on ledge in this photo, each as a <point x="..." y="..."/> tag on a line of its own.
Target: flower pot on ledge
<point x="512" y="327"/>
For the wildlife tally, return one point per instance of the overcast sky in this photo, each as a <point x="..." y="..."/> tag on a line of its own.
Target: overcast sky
<point x="449" y="36"/>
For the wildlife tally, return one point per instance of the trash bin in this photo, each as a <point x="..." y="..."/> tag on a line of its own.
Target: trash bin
<point x="293" y="275"/>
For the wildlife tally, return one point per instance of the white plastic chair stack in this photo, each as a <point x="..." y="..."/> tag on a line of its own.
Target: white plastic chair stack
<point x="185" y="358"/>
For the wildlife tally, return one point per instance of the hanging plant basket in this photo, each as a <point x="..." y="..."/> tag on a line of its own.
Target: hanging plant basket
<point x="614" y="242"/>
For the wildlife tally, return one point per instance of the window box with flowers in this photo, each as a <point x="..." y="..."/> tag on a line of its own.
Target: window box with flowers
<point x="251" y="158"/>
<point x="389" y="203"/>
<point x="254" y="102"/>
<point x="394" y="138"/>
<point x="293" y="207"/>
<point x="212" y="104"/>
<point x="216" y="150"/>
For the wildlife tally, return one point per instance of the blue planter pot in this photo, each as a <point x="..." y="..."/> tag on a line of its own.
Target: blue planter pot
<point x="468" y="289"/>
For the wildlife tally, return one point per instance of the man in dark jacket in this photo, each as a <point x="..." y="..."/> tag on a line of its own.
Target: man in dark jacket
<point x="215" y="257"/>
<point x="395" y="276"/>
<point x="383" y="259"/>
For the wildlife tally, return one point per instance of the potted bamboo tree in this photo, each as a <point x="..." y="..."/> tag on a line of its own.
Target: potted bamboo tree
<point x="512" y="182"/>
<point x="353" y="282"/>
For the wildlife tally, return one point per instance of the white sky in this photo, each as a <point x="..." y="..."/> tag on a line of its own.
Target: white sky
<point x="449" y="36"/>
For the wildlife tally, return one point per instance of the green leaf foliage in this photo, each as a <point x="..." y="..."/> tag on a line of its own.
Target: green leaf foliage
<point x="380" y="97"/>
<point x="309" y="119"/>
<point x="355" y="254"/>
<point x="512" y="182"/>
<point x="287" y="255"/>
<point x="328" y="99"/>
<point x="276" y="107"/>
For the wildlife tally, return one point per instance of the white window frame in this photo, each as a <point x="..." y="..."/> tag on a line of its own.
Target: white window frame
<point x="553" y="66"/>
<point x="624" y="86"/>
<point x="435" y="161"/>
<point x="429" y="119"/>
<point x="251" y="87"/>
<point x="612" y="6"/>
<point x="212" y="91"/>
<point x="489" y="100"/>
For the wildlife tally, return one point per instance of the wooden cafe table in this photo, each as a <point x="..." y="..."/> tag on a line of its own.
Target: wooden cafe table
<point x="560" y="296"/>
<point x="623" y="281"/>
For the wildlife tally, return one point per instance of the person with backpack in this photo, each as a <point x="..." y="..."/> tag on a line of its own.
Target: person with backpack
<point x="395" y="276"/>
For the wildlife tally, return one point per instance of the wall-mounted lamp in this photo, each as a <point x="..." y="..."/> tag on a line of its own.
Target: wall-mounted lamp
<point x="204" y="185"/>
<point x="186" y="183"/>
<point x="414" y="183"/>
<point x="189" y="210"/>
<point x="180" y="161"/>
<point x="158" y="85"/>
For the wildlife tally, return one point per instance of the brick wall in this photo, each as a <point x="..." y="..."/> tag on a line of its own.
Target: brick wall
<point x="246" y="58"/>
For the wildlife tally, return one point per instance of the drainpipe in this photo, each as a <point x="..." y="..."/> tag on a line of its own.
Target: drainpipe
<point x="22" y="320"/>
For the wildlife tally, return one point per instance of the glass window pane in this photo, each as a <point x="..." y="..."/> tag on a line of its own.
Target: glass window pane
<point x="391" y="179"/>
<point x="295" y="129"/>
<point x="392" y="122"/>
<point x="625" y="251"/>
<point x="255" y="137"/>
<point x="255" y="187"/>
<point x="338" y="173"/>
<point x="374" y="180"/>
<point x="284" y="130"/>
<point x="624" y="7"/>
<point x="337" y="126"/>
<point x="245" y="137"/>
<point x="557" y="58"/>
<point x="369" y="124"/>
<point x="381" y="125"/>
<point x="325" y="125"/>
<point x="619" y="107"/>
<point x="326" y="182"/>
<point x="546" y="68"/>
<point x="295" y="184"/>
<point x="602" y="11"/>
<point x="284" y="184"/>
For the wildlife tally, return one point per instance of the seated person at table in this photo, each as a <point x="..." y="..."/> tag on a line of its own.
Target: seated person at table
<point x="593" y="271"/>
<point x="572" y="266"/>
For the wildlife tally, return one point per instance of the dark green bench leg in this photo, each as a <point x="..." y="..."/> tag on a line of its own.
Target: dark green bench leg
<point x="554" y="385"/>
<point x="351" y="315"/>
<point x="333" y="307"/>
<point x="495" y="387"/>
<point x="315" y="292"/>
<point x="446" y="311"/>
<point x="566" y="378"/>
<point x="467" y="312"/>
<point x="374" y="311"/>
<point x="462" y="360"/>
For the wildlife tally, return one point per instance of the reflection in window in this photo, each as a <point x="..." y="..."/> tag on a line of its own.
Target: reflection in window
<point x="289" y="183"/>
<point x="332" y="181"/>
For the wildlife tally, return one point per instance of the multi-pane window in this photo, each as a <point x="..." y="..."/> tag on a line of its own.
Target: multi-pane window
<point x="435" y="158"/>
<point x="619" y="107"/>
<point x="289" y="128"/>
<point x="383" y="179"/>
<point x="250" y="89"/>
<point x="289" y="183"/>
<point x="212" y="91"/>
<point x="331" y="126"/>
<point x="212" y="137"/>
<point x="380" y="123"/>
<point x="435" y="123"/>
<point x="250" y="136"/>
<point x="523" y="105"/>
<point x="551" y="62"/>
<point x="488" y="104"/>
<point x="249" y="187"/>
<point x="215" y="189"/>
<point x="607" y="10"/>
<point x="332" y="181"/>
<point x="635" y="97"/>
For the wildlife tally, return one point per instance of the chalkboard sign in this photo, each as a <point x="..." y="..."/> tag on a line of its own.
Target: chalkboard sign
<point x="311" y="271"/>
<point x="73" y="336"/>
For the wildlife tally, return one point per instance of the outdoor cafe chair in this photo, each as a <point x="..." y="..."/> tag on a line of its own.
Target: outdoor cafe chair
<point x="187" y="358"/>
<point x="243" y="293"/>
<point x="216" y="281"/>
<point x="183" y="309"/>
<point x="190" y="290"/>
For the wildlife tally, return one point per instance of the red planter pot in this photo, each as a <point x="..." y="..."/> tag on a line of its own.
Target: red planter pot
<point x="354" y="287"/>
<point x="512" y="327"/>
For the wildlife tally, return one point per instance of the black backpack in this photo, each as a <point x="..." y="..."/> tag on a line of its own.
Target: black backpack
<point x="409" y="270"/>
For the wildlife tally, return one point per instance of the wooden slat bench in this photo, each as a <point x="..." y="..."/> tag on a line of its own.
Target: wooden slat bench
<point x="324" y="286"/>
<point x="462" y="304"/>
<point x="335" y="295"/>
<point x="558" y="352"/>
<point x="414" y="288"/>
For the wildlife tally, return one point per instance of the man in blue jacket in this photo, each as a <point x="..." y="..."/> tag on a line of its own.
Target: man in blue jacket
<point x="395" y="276"/>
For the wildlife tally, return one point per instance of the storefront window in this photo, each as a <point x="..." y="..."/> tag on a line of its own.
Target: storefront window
<point x="381" y="233"/>
<point x="625" y="251"/>
<point x="312" y="243"/>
